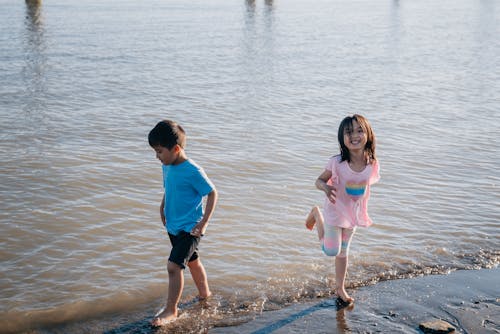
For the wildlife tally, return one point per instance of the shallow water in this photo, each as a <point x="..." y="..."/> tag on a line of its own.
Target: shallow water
<point x="260" y="88"/>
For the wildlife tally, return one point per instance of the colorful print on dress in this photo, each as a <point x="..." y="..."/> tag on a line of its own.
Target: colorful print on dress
<point x="355" y="190"/>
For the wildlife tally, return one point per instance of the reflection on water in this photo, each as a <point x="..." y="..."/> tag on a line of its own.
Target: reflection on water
<point x="35" y="58"/>
<point x="252" y="4"/>
<point x="342" y="326"/>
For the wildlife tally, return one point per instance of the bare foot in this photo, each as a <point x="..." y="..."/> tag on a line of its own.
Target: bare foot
<point x="205" y="302"/>
<point x="200" y="298"/>
<point x="163" y="319"/>
<point x="345" y="297"/>
<point x="311" y="219"/>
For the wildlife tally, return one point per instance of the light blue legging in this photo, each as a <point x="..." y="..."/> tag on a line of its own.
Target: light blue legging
<point x="337" y="240"/>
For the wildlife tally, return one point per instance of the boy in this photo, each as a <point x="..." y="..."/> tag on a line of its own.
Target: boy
<point x="181" y="212"/>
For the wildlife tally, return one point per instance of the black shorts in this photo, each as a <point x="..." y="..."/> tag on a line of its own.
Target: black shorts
<point x="184" y="248"/>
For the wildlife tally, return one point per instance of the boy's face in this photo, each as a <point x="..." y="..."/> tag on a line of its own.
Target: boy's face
<point x="165" y="155"/>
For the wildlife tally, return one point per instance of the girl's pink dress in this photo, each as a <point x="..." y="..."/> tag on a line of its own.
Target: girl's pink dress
<point x="353" y="191"/>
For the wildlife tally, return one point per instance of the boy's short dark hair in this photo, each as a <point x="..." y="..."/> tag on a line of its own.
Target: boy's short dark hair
<point x="167" y="133"/>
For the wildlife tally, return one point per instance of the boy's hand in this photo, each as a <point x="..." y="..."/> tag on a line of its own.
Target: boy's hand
<point x="199" y="229"/>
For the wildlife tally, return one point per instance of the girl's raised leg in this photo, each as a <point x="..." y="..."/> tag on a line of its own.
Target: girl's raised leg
<point x="315" y="218"/>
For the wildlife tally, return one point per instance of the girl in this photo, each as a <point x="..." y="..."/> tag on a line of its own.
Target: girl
<point x="346" y="183"/>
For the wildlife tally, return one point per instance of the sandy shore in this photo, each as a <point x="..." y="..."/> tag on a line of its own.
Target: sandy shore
<point x="469" y="300"/>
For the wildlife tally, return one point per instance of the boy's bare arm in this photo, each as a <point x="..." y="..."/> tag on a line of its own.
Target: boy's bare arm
<point x="200" y="228"/>
<point x="162" y="211"/>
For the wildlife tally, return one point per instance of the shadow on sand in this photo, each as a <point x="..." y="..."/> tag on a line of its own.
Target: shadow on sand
<point x="336" y="304"/>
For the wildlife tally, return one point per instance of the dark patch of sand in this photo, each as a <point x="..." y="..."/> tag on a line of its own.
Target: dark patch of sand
<point x="469" y="300"/>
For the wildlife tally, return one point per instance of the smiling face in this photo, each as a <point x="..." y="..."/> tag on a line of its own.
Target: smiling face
<point x="355" y="134"/>
<point x="355" y="137"/>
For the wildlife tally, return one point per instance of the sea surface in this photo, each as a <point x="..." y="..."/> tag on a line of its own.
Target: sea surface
<point x="260" y="87"/>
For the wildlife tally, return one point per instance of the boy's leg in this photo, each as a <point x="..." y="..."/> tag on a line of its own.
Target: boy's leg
<point x="183" y="250"/>
<point x="200" y="278"/>
<point x="175" y="286"/>
<point x="315" y="217"/>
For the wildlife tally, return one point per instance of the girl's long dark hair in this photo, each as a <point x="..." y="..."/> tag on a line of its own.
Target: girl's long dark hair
<point x="346" y="125"/>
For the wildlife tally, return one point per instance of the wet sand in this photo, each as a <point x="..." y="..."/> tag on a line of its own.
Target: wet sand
<point x="468" y="299"/>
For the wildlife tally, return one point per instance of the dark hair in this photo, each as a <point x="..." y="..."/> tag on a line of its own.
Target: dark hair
<point x="167" y="134"/>
<point x="346" y="124"/>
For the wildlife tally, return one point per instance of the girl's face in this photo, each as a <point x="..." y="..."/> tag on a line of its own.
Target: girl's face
<point x="355" y="137"/>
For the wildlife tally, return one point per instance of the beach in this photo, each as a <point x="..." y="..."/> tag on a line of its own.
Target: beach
<point x="468" y="300"/>
<point x="260" y="88"/>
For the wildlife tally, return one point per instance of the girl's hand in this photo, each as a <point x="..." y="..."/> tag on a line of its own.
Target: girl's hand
<point x="199" y="229"/>
<point x="331" y="193"/>
<point x="322" y="184"/>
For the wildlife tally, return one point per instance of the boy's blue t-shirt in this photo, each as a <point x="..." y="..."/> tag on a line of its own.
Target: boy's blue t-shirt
<point x="185" y="186"/>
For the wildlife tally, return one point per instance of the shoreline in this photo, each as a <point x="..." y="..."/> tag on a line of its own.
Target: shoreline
<point x="469" y="300"/>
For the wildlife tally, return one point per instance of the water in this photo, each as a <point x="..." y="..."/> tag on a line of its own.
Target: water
<point x="260" y="88"/>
